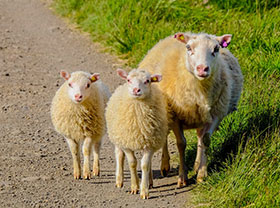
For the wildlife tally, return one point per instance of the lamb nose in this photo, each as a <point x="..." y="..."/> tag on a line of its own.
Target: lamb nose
<point x="136" y="90"/>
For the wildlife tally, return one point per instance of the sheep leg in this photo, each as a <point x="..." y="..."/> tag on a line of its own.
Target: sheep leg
<point x="181" y="145"/>
<point x="119" y="167"/>
<point x="146" y="171"/>
<point x="151" y="176"/>
<point x="203" y="143"/>
<point x="96" y="166"/>
<point x="75" y="151"/>
<point x="132" y="162"/>
<point x="165" y="165"/>
<point x="87" y="146"/>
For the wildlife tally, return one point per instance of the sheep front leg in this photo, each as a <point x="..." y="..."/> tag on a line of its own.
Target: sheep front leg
<point x="87" y="146"/>
<point x="132" y="162"/>
<point x="203" y="143"/>
<point x="146" y="173"/>
<point x="96" y="152"/>
<point x="181" y="145"/>
<point x="75" y="151"/>
<point x="119" y="166"/>
<point x="165" y="165"/>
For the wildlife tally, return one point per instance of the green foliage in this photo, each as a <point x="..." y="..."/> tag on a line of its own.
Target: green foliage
<point x="244" y="155"/>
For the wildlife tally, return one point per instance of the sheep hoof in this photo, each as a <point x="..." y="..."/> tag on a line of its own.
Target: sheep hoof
<point x="77" y="175"/>
<point x="134" y="191"/>
<point x="144" y="196"/>
<point x="86" y="176"/>
<point x="181" y="182"/>
<point x="119" y="185"/>
<point x="164" y="172"/>
<point x="95" y="172"/>
<point x="150" y="186"/>
<point x="199" y="180"/>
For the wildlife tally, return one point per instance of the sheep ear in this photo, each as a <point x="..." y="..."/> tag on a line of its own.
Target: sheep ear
<point x="182" y="37"/>
<point x="122" y="73"/>
<point x="94" y="77"/>
<point x="224" y="40"/>
<point x="65" y="75"/>
<point x="156" y="78"/>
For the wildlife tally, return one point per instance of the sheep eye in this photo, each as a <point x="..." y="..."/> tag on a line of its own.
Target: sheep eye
<point x="216" y="49"/>
<point x="69" y="84"/>
<point x="188" y="47"/>
<point x="88" y="85"/>
<point x="128" y="80"/>
<point x="147" y="81"/>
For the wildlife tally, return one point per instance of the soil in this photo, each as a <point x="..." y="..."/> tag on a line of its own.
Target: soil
<point x="35" y="162"/>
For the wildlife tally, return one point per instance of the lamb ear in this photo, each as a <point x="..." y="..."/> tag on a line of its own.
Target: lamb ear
<point x="156" y="78"/>
<point x="65" y="75"/>
<point x="94" y="77"/>
<point x="122" y="73"/>
<point x="182" y="37"/>
<point x="224" y="40"/>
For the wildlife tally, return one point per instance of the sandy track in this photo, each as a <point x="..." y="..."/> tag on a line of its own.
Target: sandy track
<point x="35" y="163"/>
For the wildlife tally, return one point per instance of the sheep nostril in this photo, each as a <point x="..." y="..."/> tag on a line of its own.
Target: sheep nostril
<point x="138" y="90"/>
<point x="206" y="69"/>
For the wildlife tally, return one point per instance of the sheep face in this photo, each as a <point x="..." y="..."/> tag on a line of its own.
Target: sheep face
<point x="79" y="84"/>
<point x="202" y="51"/>
<point x="139" y="82"/>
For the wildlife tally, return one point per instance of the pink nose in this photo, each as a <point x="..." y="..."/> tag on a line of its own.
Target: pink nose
<point x="202" y="68"/>
<point x="136" y="90"/>
<point x="78" y="97"/>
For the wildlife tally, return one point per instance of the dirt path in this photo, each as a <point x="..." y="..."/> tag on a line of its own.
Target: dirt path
<point x="35" y="163"/>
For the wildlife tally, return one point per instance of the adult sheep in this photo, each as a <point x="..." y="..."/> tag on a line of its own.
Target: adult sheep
<point x="202" y="82"/>
<point x="77" y="112"/>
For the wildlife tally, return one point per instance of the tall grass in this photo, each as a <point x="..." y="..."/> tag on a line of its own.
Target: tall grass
<point x="244" y="156"/>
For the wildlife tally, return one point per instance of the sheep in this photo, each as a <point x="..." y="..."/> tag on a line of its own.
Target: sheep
<point x="202" y="84"/>
<point x="137" y="120"/>
<point x="78" y="113"/>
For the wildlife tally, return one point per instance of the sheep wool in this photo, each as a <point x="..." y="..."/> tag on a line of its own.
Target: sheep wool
<point x="137" y="124"/>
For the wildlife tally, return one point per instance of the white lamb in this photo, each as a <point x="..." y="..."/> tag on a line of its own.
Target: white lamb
<point x="137" y="120"/>
<point x="77" y="112"/>
<point x="202" y="82"/>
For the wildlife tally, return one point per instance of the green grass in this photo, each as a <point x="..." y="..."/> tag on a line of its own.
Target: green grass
<point x="244" y="155"/>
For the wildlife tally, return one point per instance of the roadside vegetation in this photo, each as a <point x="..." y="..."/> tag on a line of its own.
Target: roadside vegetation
<point x="244" y="155"/>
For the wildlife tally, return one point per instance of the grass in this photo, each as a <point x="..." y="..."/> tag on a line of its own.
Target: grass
<point x="244" y="155"/>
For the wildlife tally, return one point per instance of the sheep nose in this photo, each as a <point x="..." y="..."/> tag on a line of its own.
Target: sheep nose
<point x="136" y="90"/>
<point x="78" y="97"/>
<point x="202" y="68"/>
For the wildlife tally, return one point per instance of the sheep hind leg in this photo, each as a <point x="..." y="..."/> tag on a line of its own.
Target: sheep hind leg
<point x="132" y="162"/>
<point x="181" y="145"/>
<point x="146" y="173"/>
<point x="165" y="158"/>
<point x="87" y="146"/>
<point x="119" y="167"/>
<point x="75" y="151"/>
<point x="96" y="153"/>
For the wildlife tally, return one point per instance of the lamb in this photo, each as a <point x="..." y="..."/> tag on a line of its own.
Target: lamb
<point x="78" y="113"/>
<point x="202" y="84"/>
<point x="137" y="120"/>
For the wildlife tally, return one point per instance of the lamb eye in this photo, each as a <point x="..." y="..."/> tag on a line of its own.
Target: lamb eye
<point x="147" y="81"/>
<point x="88" y="85"/>
<point x="70" y="84"/>
<point x="128" y="80"/>
<point x="188" y="47"/>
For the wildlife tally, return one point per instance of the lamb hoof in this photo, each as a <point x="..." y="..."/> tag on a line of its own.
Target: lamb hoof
<point x="95" y="172"/>
<point x="119" y="185"/>
<point x="77" y="176"/>
<point x="144" y="196"/>
<point x="181" y="182"/>
<point x="86" y="176"/>
<point x="134" y="190"/>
